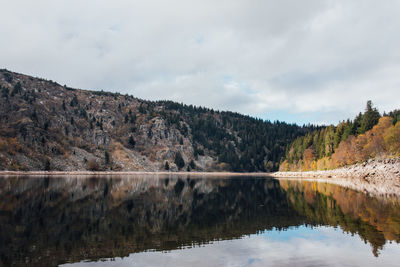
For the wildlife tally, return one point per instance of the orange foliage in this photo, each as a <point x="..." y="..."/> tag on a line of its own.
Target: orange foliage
<point x="321" y="164"/>
<point x="308" y="158"/>
<point x="392" y="139"/>
<point x="382" y="140"/>
<point x="346" y="152"/>
<point x="360" y="153"/>
<point x="375" y="138"/>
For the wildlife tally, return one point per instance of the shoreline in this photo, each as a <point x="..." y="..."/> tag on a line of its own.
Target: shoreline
<point x="379" y="177"/>
<point x="376" y="190"/>
<point x="132" y="173"/>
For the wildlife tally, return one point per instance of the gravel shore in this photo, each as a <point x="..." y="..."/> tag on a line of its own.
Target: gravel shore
<point x="131" y="173"/>
<point x="379" y="177"/>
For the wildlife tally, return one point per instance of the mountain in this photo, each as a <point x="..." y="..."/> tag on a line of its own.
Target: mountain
<point x="47" y="126"/>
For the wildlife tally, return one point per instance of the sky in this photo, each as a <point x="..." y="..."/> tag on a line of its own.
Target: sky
<point x="320" y="246"/>
<point x="309" y="61"/>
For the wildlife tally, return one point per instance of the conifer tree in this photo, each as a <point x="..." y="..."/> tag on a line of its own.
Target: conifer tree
<point x="106" y="157"/>
<point x="131" y="142"/>
<point x="179" y="160"/>
<point x="369" y="118"/>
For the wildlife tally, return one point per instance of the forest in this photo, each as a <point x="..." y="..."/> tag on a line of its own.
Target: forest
<point x="369" y="135"/>
<point x="240" y="143"/>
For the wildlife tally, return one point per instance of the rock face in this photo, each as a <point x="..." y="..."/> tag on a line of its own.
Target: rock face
<point x="46" y="126"/>
<point x="376" y="176"/>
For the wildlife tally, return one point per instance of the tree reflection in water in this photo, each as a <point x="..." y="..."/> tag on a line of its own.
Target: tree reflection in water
<point x="49" y="221"/>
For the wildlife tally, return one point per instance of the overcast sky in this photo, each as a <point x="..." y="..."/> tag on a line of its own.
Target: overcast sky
<point x="299" y="61"/>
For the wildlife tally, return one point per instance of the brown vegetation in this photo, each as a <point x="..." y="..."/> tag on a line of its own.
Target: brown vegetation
<point x="43" y="121"/>
<point x="383" y="140"/>
<point x="93" y="165"/>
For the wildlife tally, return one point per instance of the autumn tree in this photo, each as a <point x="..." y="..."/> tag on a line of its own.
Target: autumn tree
<point x="392" y="139"/>
<point x="308" y="158"/>
<point x="368" y="136"/>
<point x="375" y="137"/>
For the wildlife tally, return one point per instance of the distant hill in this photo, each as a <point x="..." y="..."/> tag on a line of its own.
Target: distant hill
<point x="47" y="126"/>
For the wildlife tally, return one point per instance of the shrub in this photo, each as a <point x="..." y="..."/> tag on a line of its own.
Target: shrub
<point x="47" y="166"/>
<point x="93" y="165"/>
<point x="192" y="164"/>
<point x="179" y="160"/>
<point x="131" y="141"/>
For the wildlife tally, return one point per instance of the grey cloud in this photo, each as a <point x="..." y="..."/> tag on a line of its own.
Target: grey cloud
<point x="300" y="56"/>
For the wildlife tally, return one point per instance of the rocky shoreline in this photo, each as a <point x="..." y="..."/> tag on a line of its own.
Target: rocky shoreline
<point x="130" y="173"/>
<point x="378" y="177"/>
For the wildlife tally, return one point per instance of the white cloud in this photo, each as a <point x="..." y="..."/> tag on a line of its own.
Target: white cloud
<point x="303" y="57"/>
<point x="320" y="246"/>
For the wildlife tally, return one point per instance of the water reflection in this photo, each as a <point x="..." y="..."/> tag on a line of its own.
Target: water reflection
<point x="50" y="221"/>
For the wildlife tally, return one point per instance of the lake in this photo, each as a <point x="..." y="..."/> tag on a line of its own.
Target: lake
<point x="170" y="220"/>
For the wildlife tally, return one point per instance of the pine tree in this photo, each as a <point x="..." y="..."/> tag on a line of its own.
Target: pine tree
<point x="131" y="142"/>
<point x="179" y="160"/>
<point x="106" y="157"/>
<point x="166" y="167"/>
<point x="47" y="166"/>
<point x="17" y="89"/>
<point x="133" y="118"/>
<point x="74" y="102"/>
<point x="370" y="118"/>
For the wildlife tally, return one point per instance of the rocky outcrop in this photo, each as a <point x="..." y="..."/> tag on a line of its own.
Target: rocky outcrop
<point x="47" y="126"/>
<point x="376" y="176"/>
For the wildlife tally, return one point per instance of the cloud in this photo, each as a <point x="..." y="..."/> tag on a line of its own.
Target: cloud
<point x="312" y="58"/>
<point x="302" y="246"/>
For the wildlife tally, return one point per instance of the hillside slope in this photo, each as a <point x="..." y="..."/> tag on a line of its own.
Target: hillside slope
<point x="368" y="136"/>
<point x="46" y="126"/>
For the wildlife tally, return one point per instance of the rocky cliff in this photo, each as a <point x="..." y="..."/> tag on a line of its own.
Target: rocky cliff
<point x="47" y="126"/>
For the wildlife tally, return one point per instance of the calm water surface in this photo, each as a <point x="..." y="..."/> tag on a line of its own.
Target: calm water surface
<point x="192" y="221"/>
